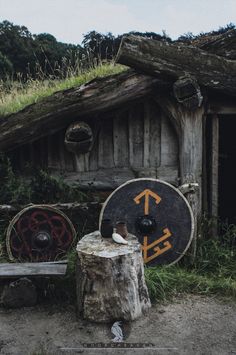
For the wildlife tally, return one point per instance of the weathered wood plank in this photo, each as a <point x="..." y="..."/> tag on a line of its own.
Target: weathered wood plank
<point x="43" y="152"/>
<point x="223" y="44"/>
<point x="102" y="179"/>
<point x="93" y="156"/>
<point x="136" y="139"/>
<point x="79" y="163"/>
<point x="214" y="174"/>
<point x="34" y="153"/>
<point x="33" y="269"/>
<point x="169" y="143"/>
<point x="189" y="126"/>
<point x="53" y="151"/>
<point x="131" y="148"/>
<point x="68" y="159"/>
<point x="191" y="164"/>
<point x="120" y="139"/>
<point x="146" y="135"/>
<point x="86" y="161"/>
<point x="109" y="179"/>
<point x="50" y="158"/>
<point x="167" y="173"/>
<point x="61" y="136"/>
<point x="31" y="152"/>
<point x="105" y="144"/>
<point x="221" y="104"/>
<point x="61" y="206"/>
<point x="155" y="135"/>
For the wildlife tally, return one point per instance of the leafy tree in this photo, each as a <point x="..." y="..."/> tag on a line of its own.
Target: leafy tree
<point x="100" y="46"/>
<point x="29" y="52"/>
<point x="6" y="67"/>
<point x="152" y="35"/>
<point x="16" y="43"/>
<point x="22" y="52"/>
<point x="189" y="36"/>
<point x="54" y="56"/>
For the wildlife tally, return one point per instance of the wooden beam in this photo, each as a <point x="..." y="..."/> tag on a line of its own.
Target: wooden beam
<point x="74" y="206"/>
<point x="189" y="127"/>
<point x="110" y="179"/>
<point x="214" y="174"/>
<point x="12" y="270"/>
<point x="64" y="107"/>
<point x="221" y="105"/>
<point x="162" y="59"/>
<point x="223" y="44"/>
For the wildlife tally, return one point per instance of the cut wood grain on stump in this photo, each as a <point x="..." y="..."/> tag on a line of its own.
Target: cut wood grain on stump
<point x="110" y="279"/>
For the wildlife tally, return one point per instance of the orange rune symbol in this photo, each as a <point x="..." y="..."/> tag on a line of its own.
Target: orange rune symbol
<point x="157" y="249"/>
<point x="146" y="194"/>
<point x="153" y="245"/>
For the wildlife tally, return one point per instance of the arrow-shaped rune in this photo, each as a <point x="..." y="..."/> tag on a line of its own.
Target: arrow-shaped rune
<point x="146" y="194"/>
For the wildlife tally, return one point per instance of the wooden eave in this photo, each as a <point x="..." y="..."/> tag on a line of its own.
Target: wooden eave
<point x="158" y="66"/>
<point x="57" y="111"/>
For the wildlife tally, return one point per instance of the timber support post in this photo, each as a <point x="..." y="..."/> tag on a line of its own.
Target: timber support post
<point x="189" y="127"/>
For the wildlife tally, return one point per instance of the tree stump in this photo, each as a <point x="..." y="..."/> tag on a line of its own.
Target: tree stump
<point x="110" y="279"/>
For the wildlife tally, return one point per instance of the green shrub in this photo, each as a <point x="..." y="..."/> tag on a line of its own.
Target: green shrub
<point x="46" y="188"/>
<point x="13" y="189"/>
<point x="165" y="282"/>
<point x="38" y="186"/>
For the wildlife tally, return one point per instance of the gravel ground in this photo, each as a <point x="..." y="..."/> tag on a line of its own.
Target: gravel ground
<point x="188" y="325"/>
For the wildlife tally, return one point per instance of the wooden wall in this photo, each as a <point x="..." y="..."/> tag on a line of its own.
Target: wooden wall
<point x="137" y="141"/>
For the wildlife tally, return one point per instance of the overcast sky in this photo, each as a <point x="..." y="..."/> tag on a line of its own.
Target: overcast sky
<point x="68" y="20"/>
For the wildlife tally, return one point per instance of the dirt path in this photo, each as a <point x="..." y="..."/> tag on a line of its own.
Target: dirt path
<point x="193" y="325"/>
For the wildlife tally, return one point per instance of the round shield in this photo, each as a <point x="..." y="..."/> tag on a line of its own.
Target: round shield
<point x="157" y="213"/>
<point x="39" y="233"/>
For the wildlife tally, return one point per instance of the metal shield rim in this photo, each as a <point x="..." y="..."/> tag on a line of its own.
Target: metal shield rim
<point x="20" y="213"/>
<point x="175" y="189"/>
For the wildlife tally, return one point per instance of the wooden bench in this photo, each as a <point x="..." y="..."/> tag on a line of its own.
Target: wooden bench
<point x="41" y="269"/>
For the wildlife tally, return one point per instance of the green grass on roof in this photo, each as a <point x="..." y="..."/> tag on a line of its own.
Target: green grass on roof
<point x="18" y="95"/>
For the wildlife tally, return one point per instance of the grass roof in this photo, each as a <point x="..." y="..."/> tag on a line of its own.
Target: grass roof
<point x="14" y="96"/>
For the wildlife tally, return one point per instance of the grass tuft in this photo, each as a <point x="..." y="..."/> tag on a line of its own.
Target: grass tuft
<point x="164" y="283"/>
<point x="213" y="273"/>
<point x="14" y="96"/>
